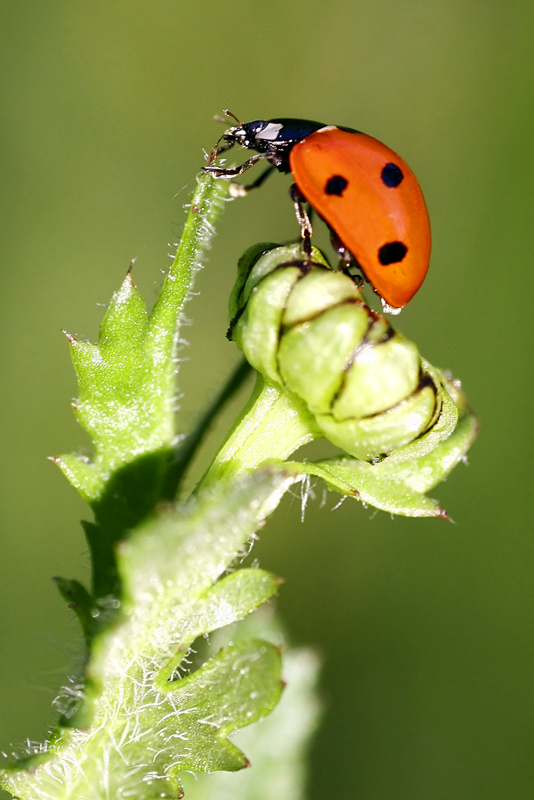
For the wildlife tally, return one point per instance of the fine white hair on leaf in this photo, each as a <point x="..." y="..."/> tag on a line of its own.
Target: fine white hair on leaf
<point x="339" y="503"/>
<point x="306" y="492"/>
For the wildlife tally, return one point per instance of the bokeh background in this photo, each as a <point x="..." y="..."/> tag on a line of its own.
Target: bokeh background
<point x="426" y="629"/>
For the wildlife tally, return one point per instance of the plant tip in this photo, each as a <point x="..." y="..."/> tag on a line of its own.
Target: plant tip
<point x="128" y="282"/>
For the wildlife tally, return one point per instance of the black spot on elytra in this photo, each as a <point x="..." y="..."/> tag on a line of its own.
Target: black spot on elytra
<point x="392" y="175"/>
<point x="336" y="185"/>
<point x="392" y="253"/>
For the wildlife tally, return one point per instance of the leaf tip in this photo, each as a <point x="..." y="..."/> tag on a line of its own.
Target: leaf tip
<point x="72" y="340"/>
<point x="128" y="282"/>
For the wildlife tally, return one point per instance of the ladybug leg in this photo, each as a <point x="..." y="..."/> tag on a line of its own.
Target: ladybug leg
<point x="218" y="149"/>
<point x="347" y="262"/>
<point x="238" y="190"/>
<point x="302" y="219"/>
<point x="234" y="172"/>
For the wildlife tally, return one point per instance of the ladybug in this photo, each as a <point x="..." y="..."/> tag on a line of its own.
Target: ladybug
<point x="367" y="195"/>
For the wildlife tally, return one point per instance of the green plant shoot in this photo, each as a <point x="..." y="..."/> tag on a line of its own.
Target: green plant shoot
<point x="165" y="574"/>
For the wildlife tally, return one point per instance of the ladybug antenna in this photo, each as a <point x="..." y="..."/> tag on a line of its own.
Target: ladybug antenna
<point x="229" y="114"/>
<point x="225" y="116"/>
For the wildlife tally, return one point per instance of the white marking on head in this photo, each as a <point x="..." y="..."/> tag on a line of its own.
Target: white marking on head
<point x="270" y="132"/>
<point x="326" y="128"/>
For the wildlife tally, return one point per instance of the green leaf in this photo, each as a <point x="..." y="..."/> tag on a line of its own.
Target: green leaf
<point x="397" y="486"/>
<point x="238" y="686"/>
<point x="127" y="392"/>
<point x="127" y="403"/>
<point x="141" y="722"/>
<point x="277" y="746"/>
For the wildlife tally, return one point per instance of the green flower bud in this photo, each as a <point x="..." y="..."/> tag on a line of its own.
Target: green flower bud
<point x="307" y="329"/>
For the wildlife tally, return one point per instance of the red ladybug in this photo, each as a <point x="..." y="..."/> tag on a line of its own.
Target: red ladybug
<point x="366" y="194"/>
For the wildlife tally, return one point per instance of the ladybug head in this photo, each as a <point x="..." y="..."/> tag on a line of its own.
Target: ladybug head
<point x="247" y="135"/>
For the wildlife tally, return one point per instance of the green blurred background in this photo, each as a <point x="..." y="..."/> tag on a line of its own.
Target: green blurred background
<point x="426" y="628"/>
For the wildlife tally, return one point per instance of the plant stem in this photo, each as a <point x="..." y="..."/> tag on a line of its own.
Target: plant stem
<point x="188" y="447"/>
<point x="273" y="425"/>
